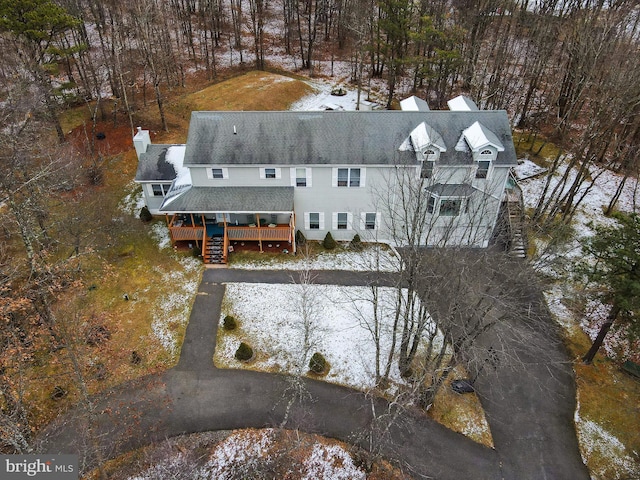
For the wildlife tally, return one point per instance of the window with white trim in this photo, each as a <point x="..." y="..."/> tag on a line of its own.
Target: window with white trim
<point x="270" y="172"/>
<point x="342" y="221"/>
<point x="483" y="168"/>
<point x="160" y="189"/>
<point x="218" y="173"/>
<point x="426" y="171"/>
<point x="348" y="177"/>
<point x="302" y="177"/>
<point x="431" y="204"/>
<point x="314" y="220"/>
<point x="450" y="207"/>
<point x="369" y="220"/>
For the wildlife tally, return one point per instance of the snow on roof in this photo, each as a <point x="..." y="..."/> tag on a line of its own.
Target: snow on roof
<point x="424" y="136"/>
<point x="414" y="104"/>
<point x="478" y="136"/>
<point x="462" y="103"/>
<point x="182" y="182"/>
<point x="175" y="156"/>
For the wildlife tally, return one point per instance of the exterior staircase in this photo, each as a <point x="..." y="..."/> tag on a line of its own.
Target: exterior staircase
<point x="213" y="251"/>
<point x="518" y="243"/>
<point x="510" y="232"/>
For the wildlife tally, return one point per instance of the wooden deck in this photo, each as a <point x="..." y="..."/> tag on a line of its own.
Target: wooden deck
<point x="193" y="228"/>
<point x="280" y="233"/>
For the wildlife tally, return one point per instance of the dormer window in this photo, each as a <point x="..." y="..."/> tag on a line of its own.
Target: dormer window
<point x="486" y="152"/>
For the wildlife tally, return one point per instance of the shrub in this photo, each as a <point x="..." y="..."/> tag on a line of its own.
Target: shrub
<point x="356" y="243"/>
<point x="317" y="364"/>
<point x="329" y="243"/>
<point x="244" y="352"/>
<point x="145" y="214"/>
<point x="136" y="359"/>
<point x="229" y="323"/>
<point x="58" y="393"/>
<point x="300" y="238"/>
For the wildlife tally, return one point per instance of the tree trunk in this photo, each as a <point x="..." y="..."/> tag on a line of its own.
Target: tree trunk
<point x="604" y="329"/>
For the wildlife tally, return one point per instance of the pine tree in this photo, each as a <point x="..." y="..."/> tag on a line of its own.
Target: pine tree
<point x="613" y="262"/>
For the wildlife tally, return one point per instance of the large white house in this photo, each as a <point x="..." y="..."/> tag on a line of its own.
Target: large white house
<point x="260" y="176"/>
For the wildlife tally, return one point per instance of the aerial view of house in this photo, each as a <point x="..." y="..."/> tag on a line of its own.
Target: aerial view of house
<point x="260" y="176"/>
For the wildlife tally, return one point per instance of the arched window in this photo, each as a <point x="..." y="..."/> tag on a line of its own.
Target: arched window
<point x="486" y="152"/>
<point x="430" y="154"/>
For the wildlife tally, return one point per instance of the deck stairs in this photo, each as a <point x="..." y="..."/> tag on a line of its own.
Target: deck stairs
<point x="213" y="251"/>
<point x="518" y="244"/>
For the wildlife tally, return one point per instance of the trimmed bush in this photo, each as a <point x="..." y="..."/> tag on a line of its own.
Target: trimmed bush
<point x="229" y="323"/>
<point x="329" y="243"/>
<point x="317" y="364"/>
<point x="300" y="238"/>
<point x="356" y="243"/>
<point x="145" y="214"/>
<point x="244" y="352"/>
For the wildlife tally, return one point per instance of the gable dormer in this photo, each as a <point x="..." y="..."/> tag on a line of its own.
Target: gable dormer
<point x="427" y="143"/>
<point x="484" y="146"/>
<point x="482" y="142"/>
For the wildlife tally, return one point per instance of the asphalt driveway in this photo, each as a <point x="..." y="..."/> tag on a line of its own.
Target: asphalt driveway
<point x="532" y="427"/>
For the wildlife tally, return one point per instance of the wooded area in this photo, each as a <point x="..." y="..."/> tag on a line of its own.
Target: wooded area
<point x="567" y="71"/>
<point x="565" y="68"/>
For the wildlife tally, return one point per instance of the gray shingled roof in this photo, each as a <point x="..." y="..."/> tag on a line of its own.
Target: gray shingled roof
<point x="334" y="138"/>
<point x="451" y="189"/>
<point x="152" y="165"/>
<point x="231" y="199"/>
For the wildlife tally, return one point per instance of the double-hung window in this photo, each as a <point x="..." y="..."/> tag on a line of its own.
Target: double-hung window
<point x="483" y="168"/>
<point x="314" y="220"/>
<point x="342" y="221"/>
<point x="348" y="177"/>
<point x="270" y="172"/>
<point x="369" y="220"/>
<point x="160" y="189"/>
<point x="426" y="171"/>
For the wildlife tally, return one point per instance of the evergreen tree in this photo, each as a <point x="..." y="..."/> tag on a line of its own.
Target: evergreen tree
<point x="613" y="262"/>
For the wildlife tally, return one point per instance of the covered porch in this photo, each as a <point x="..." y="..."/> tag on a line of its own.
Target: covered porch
<point x="198" y="218"/>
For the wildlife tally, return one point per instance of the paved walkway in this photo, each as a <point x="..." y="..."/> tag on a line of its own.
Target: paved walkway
<point x="530" y="412"/>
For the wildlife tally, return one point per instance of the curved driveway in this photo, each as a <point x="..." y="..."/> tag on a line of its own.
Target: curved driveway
<point x="530" y="411"/>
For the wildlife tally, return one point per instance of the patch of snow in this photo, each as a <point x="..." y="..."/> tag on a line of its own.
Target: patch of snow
<point x="271" y="321"/>
<point x="160" y="233"/>
<point x="527" y="169"/>
<point x="175" y="156"/>
<point x="370" y="258"/>
<point x="331" y="462"/>
<point x="133" y="201"/>
<point x="597" y="441"/>
<point x="321" y="98"/>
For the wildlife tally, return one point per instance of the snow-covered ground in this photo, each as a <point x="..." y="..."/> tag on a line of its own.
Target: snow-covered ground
<point x="377" y="258"/>
<point x="340" y="323"/>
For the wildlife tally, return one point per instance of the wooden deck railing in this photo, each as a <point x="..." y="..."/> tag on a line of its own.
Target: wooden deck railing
<point x="186" y="233"/>
<point x="279" y="233"/>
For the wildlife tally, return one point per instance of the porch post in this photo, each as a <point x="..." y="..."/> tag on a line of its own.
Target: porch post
<point x="259" y="231"/>
<point x="292" y="226"/>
